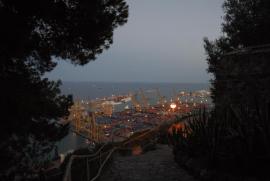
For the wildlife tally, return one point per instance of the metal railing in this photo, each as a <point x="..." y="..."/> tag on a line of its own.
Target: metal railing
<point x="67" y="176"/>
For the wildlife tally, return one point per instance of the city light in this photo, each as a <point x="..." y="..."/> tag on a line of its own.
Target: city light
<point x="128" y="116"/>
<point x="173" y="105"/>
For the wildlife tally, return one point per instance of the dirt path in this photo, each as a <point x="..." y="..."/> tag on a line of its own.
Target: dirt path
<point x="157" y="165"/>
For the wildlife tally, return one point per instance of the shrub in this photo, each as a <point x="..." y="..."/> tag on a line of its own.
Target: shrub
<point x="235" y="141"/>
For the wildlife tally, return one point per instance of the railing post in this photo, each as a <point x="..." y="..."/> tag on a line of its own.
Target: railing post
<point x="87" y="169"/>
<point x="69" y="176"/>
<point x="99" y="158"/>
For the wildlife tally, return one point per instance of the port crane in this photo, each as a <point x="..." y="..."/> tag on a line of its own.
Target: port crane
<point x="175" y="96"/>
<point x="135" y="102"/>
<point x="75" y="115"/>
<point x="161" y="99"/>
<point x="144" y="100"/>
<point x="84" y="122"/>
<point x="94" y="130"/>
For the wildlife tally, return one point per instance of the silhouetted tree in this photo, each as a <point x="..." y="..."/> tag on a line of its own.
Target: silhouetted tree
<point x="32" y="34"/>
<point x="246" y="23"/>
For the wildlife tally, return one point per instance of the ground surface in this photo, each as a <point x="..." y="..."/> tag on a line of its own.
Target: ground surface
<point x="157" y="165"/>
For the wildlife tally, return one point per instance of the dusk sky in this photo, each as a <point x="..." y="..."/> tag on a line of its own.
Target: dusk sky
<point x="161" y="42"/>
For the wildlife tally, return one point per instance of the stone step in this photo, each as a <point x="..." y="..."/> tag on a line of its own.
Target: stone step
<point x="157" y="165"/>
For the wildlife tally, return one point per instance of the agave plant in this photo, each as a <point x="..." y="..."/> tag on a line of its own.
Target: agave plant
<point x="236" y="140"/>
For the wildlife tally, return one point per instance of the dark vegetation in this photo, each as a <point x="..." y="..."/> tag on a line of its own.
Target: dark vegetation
<point x="237" y="144"/>
<point x="246" y="24"/>
<point x="233" y="141"/>
<point x="34" y="36"/>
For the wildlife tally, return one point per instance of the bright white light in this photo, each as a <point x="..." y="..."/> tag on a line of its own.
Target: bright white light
<point x="173" y="105"/>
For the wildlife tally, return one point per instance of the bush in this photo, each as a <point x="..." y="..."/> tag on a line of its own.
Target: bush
<point x="235" y="141"/>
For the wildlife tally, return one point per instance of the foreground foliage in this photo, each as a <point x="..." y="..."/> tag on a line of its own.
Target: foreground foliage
<point x="237" y="142"/>
<point x="34" y="35"/>
<point x="235" y="137"/>
<point x="246" y="24"/>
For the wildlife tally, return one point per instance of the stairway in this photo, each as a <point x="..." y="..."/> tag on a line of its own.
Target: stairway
<point x="156" y="165"/>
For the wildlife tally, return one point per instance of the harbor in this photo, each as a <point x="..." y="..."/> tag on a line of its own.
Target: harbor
<point x="117" y="117"/>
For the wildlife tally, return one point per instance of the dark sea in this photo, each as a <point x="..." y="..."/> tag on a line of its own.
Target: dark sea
<point x="93" y="90"/>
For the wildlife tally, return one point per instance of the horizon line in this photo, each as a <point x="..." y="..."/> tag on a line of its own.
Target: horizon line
<point x="91" y="81"/>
